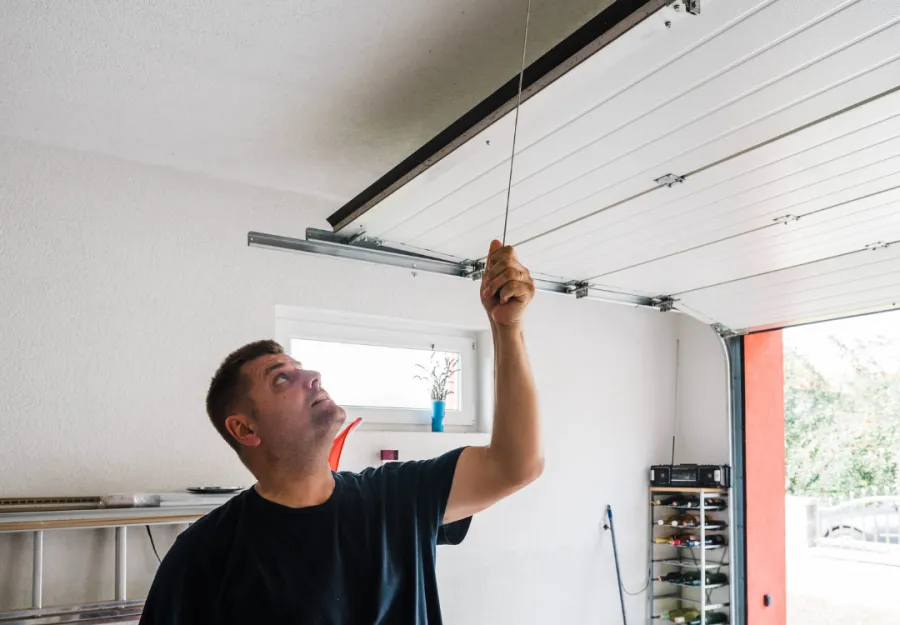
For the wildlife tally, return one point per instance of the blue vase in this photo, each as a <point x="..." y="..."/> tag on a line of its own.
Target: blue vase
<point x="437" y="416"/>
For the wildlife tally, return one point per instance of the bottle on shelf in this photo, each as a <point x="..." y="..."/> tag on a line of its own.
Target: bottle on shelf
<point x="663" y="540"/>
<point x="690" y="521"/>
<point x="689" y="540"/>
<point x="712" y="579"/>
<point x="691" y="616"/>
<point x="680" y="501"/>
<point x="680" y="520"/>
<point x="675" y="577"/>
<point x="681" y="615"/>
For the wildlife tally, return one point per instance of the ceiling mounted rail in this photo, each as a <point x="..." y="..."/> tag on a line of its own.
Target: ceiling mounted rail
<point x="324" y="243"/>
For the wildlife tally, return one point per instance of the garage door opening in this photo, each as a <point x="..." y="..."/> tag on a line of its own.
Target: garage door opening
<point x="842" y="452"/>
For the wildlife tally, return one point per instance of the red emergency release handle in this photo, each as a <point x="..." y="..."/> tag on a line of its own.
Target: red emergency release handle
<point x="334" y="458"/>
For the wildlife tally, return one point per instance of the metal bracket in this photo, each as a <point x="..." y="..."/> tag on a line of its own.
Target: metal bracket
<point x="579" y="289"/>
<point x="879" y="245"/>
<point x="665" y="304"/>
<point x="324" y="243"/>
<point x="473" y="269"/>
<point x="785" y="219"/>
<point x="668" y="180"/>
<point x="362" y="238"/>
<point x="724" y="331"/>
<point x="692" y="6"/>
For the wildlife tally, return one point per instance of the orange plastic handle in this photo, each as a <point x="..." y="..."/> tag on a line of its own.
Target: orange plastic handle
<point x="334" y="458"/>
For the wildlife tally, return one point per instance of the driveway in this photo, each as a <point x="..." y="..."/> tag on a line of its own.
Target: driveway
<point x="827" y="586"/>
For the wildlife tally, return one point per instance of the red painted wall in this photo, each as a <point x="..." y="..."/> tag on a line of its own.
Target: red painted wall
<point x="765" y="477"/>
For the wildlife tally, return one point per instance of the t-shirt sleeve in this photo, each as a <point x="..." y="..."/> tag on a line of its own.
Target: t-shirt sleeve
<point x="431" y="481"/>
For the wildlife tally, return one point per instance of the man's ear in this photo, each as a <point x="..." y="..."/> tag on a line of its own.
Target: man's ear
<point x="240" y="427"/>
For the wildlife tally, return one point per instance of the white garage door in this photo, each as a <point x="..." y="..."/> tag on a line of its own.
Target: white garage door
<point x="776" y="125"/>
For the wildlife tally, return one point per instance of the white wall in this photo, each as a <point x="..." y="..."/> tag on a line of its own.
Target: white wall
<point x="123" y="285"/>
<point x="703" y="433"/>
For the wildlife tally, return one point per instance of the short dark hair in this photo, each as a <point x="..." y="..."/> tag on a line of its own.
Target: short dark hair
<point x="228" y="389"/>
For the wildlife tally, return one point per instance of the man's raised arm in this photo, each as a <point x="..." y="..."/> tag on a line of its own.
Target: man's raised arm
<point x="514" y="458"/>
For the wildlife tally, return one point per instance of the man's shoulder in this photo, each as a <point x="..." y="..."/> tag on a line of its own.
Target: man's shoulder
<point x="206" y="535"/>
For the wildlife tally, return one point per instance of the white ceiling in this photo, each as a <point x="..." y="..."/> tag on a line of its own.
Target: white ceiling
<point x="762" y="104"/>
<point x="314" y="96"/>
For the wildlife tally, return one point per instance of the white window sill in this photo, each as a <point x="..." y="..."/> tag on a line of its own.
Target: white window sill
<point x="363" y="447"/>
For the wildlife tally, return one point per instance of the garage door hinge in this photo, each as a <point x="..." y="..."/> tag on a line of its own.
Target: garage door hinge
<point x="880" y="245"/>
<point x="578" y="289"/>
<point x="473" y="269"/>
<point x="668" y="180"/>
<point x="665" y="304"/>
<point x="723" y="331"/>
<point x="785" y="219"/>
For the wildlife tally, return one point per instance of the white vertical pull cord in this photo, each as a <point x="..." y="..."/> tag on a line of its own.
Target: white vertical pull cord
<point x="512" y="156"/>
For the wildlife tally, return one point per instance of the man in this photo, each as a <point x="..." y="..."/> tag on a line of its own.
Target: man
<point x="306" y="545"/>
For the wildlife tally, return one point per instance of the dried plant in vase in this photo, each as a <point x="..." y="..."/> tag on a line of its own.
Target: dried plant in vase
<point x="438" y="378"/>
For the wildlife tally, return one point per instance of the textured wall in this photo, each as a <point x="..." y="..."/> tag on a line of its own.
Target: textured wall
<point x="123" y="285"/>
<point x="703" y="433"/>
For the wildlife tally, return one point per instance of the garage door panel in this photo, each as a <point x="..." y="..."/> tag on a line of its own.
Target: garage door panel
<point x="721" y="209"/>
<point x="807" y="230"/>
<point x="867" y="263"/>
<point x="722" y="174"/>
<point x="810" y="292"/>
<point x="813" y="238"/>
<point x="744" y="90"/>
<point x="795" y="293"/>
<point x="651" y="250"/>
<point x="457" y="233"/>
<point x="575" y="255"/>
<point x="855" y="296"/>
<point x="853" y="303"/>
<point x="607" y="258"/>
<point x="579" y="256"/>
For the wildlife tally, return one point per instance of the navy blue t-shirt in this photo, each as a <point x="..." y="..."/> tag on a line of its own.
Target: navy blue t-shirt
<point x="364" y="557"/>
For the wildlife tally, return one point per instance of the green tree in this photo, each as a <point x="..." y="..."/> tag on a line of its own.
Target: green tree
<point x="841" y="435"/>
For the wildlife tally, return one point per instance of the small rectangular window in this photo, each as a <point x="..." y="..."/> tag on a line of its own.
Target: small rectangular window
<point x="375" y="376"/>
<point x="369" y="365"/>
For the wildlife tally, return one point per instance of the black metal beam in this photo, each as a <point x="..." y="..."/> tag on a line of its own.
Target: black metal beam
<point x="608" y="25"/>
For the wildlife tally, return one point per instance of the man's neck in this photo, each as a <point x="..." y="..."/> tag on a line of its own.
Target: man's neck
<point x="297" y="489"/>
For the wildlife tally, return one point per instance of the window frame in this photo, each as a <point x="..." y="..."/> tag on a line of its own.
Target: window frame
<point x="346" y="329"/>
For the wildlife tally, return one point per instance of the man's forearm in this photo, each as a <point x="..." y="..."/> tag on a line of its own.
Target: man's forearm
<point x="516" y="438"/>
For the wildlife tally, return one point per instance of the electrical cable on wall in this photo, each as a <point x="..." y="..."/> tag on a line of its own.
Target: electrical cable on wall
<point x="153" y="544"/>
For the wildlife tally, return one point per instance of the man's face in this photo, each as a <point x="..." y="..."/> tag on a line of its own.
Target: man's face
<point x="293" y="413"/>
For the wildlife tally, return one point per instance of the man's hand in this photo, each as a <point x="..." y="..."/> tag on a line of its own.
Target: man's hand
<point x="485" y="475"/>
<point x="506" y="286"/>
